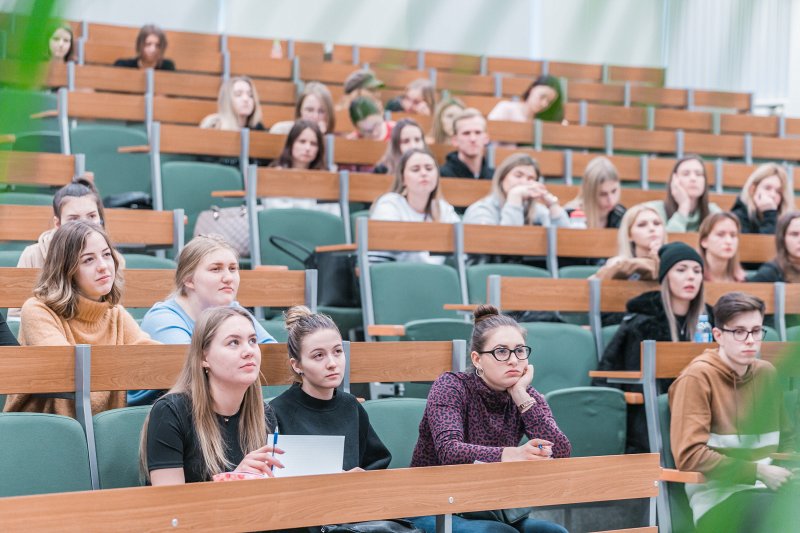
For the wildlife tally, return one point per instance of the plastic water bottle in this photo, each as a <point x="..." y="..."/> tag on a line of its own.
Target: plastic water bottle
<point x="703" y="331"/>
<point x="577" y="219"/>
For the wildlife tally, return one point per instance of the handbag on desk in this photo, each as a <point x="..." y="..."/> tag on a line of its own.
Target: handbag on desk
<point x="229" y="223"/>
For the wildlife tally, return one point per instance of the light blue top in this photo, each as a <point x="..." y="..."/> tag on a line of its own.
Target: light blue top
<point x="168" y="322"/>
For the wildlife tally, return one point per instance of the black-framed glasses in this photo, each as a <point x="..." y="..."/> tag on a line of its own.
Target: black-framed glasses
<point x="503" y="354"/>
<point x="741" y="334"/>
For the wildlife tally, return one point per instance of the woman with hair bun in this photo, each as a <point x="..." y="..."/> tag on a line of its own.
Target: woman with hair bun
<point x="314" y="405"/>
<point x="483" y="414"/>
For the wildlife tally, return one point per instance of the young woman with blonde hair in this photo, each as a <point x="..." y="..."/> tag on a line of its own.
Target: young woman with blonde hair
<point x="719" y="247"/>
<point x="213" y="419"/>
<point x="444" y="114"/>
<point x="315" y="104"/>
<point x="518" y="198"/>
<point x="764" y="198"/>
<point x="77" y="301"/>
<point x="238" y="107"/>
<point x="598" y="196"/>
<point x="641" y="234"/>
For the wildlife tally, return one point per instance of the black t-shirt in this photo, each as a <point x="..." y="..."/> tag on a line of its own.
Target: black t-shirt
<point x="166" y="64"/>
<point x="172" y="440"/>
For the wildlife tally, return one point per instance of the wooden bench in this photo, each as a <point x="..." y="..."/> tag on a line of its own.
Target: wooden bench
<point x="40" y="169"/>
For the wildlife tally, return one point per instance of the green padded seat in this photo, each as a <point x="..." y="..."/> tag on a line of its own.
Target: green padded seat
<point x="477" y="276"/>
<point x="402" y="292"/>
<point x="577" y="271"/>
<point x="26" y="198"/>
<point x="9" y="258"/>
<point x="562" y="355"/>
<point x="308" y="227"/>
<point x="42" y="453"/>
<point x="679" y="511"/>
<point x="114" y="173"/>
<point x="116" y="436"/>
<point x="276" y="328"/>
<point x="396" y="422"/>
<point x="593" y="418"/>
<point x="38" y="141"/>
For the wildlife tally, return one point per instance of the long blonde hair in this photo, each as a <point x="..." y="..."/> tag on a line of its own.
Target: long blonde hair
<point x="193" y="253"/>
<point x="696" y="308"/>
<point x="510" y="163"/>
<point x="193" y="384"/>
<point x="625" y="247"/>
<point x="760" y="174"/>
<point x="439" y="135"/>
<point x="226" y="118"/>
<point x="598" y="171"/>
<point x="56" y="286"/>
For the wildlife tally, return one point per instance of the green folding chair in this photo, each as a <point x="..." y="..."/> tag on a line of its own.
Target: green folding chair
<point x="116" y="437"/>
<point x="396" y="421"/>
<point x="562" y="355"/>
<point x="593" y="418"/>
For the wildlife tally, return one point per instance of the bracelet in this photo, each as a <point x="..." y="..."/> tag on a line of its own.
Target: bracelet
<point x="527" y="404"/>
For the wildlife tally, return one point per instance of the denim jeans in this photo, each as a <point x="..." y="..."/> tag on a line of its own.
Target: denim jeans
<point x="464" y="525"/>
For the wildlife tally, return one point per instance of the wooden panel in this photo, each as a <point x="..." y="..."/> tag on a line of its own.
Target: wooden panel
<point x="465" y="83"/>
<point x="106" y="106"/>
<point x="425" y="121"/>
<point x="386" y="56"/>
<point x="182" y="110"/>
<point x="360" y="152"/>
<point x="626" y="117"/>
<point x="381" y="494"/>
<point x="756" y="248"/>
<point x="325" y="72"/>
<point x="614" y="294"/>
<point x="18" y="284"/>
<point x="193" y="140"/>
<point x="544" y="294"/>
<point x="399" y="361"/>
<point x="628" y="167"/>
<point x="793" y="126"/>
<point x="462" y="193"/>
<point x="194" y="60"/>
<point x="140" y="226"/>
<point x="678" y="119"/>
<point x="793" y="298"/>
<point x="644" y="141"/>
<point x="43" y="369"/>
<point x="723" y="201"/>
<point x="511" y="132"/>
<point x="454" y="62"/>
<point x="781" y="149"/>
<point x="649" y="75"/>
<point x="741" y="124"/>
<point x="434" y="237"/>
<point x="715" y="145"/>
<point x="507" y="65"/>
<point x="366" y="187"/>
<point x="276" y="92"/>
<point x="30" y="168"/>
<point x="98" y="53"/>
<point x="516" y="86"/>
<point x="266" y="145"/>
<point x="587" y="242"/>
<point x="765" y="291"/>
<point x="398" y="78"/>
<point x="484" y="104"/>
<point x="673" y="357"/>
<point x="260" y="66"/>
<point x="276" y="113"/>
<point x="659" y="170"/>
<point x="595" y="92"/>
<point x="658" y="96"/>
<point x="145" y="287"/>
<point x="573" y="136"/>
<point x="576" y="71"/>
<point x="105" y="78"/>
<point x="505" y="240"/>
<point x="735" y="175"/>
<point x="292" y="183"/>
<point x="631" y="197"/>
<point x="738" y="101"/>
<point x="14" y="72"/>
<point x="272" y="288"/>
<point x="115" y="34"/>
<point x="183" y="84"/>
<point x="308" y="50"/>
<point x="263" y="47"/>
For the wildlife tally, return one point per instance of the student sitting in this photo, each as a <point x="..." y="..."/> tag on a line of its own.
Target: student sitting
<point x="360" y="83"/>
<point x="764" y="197"/>
<point x="76" y="301"/>
<point x="213" y="420"/>
<point x="407" y="134"/>
<point x="726" y="421"/>
<point x="6" y="337"/>
<point x="414" y="197"/>
<point x="313" y="405"/>
<point x="687" y="202"/>
<point x="786" y="265"/>
<point x="669" y="314"/>
<point x="60" y="45"/>
<point x="237" y="107"/>
<point x="315" y="104"/>
<point x="151" y="43"/>
<point x="443" y="116"/>
<point x="598" y="196"/>
<point x="719" y="248"/>
<point x="518" y="198"/>
<point x="641" y="234"/>
<point x="482" y="416"/>
<point x="367" y="118"/>
<point x="207" y="276"/>
<point x="541" y="101"/>
<point x="470" y="139"/>
<point x="419" y="98"/>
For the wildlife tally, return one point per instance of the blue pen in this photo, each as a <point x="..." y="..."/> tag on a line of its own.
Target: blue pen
<point x="274" y="443"/>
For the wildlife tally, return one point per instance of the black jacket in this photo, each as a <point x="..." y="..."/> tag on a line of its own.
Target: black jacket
<point x="455" y="168"/>
<point x="769" y="272"/>
<point x="646" y="320"/>
<point x="766" y="225"/>
<point x="6" y="337"/>
<point x="166" y="64"/>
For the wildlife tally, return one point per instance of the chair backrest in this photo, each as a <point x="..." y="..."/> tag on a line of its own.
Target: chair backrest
<point x="562" y="354"/>
<point x="680" y="514"/>
<point x="42" y="453"/>
<point x="396" y="421"/>
<point x="25" y="198"/>
<point x="593" y="418"/>
<point x="307" y="227"/>
<point x="116" y="438"/>
<point x="402" y="292"/>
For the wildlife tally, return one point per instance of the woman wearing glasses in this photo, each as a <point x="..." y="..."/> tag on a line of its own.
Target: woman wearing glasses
<point x="482" y="416"/>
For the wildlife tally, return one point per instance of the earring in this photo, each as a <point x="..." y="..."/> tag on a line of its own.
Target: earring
<point x="206" y="371"/>
<point x="301" y="373"/>
<point x="479" y="371"/>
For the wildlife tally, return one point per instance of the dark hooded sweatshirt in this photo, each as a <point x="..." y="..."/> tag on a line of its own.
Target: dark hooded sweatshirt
<point x="455" y="168"/>
<point x="766" y="224"/>
<point x="646" y="320"/>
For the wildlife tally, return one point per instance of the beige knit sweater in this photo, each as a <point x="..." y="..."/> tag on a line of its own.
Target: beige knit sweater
<point x="96" y="323"/>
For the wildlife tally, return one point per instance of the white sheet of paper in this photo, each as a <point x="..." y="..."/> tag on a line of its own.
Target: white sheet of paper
<point x="307" y="455"/>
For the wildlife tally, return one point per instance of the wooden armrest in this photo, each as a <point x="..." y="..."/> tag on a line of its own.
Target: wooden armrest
<point x="8" y="138"/>
<point x="785" y="456"/>
<point x="678" y="476"/>
<point x="271" y="268"/>
<point x="45" y="114"/>
<point x="377" y="330"/>
<point x="634" y="398"/>
<point x="141" y="149"/>
<point x="336" y="248"/>
<point x="460" y="307"/>
<point x="615" y="374"/>
<point x="227" y="194"/>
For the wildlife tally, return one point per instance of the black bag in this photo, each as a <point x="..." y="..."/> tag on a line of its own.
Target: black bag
<point x="506" y="516"/>
<point x="130" y="200"/>
<point x="374" y="526"/>
<point x="337" y="284"/>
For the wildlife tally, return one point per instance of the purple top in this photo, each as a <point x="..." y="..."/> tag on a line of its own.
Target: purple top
<point x="466" y="421"/>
